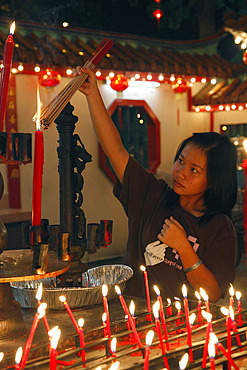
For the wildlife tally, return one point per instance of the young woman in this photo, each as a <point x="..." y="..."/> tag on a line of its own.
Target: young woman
<point x="182" y="234"/>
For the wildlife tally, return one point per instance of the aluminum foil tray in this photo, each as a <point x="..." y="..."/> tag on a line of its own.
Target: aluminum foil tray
<point x="88" y="294"/>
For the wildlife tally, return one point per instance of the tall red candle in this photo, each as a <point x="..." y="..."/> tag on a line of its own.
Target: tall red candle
<point x="37" y="178"/>
<point x="231" y="293"/>
<point x="121" y="298"/>
<point x="149" y="339"/>
<point x="211" y="352"/>
<point x="208" y="317"/>
<point x="205" y="297"/>
<point x="143" y="268"/>
<point x="199" y="307"/>
<point x="7" y="61"/>
<point x="186" y="309"/>
<point x="18" y="357"/>
<point x="162" y="316"/>
<point x="222" y="349"/>
<point x="105" y="303"/>
<point x="82" y="343"/>
<point x="238" y="296"/>
<point x="53" y="351"/>
<point x="234" y="326"/>
<point x="66" y="305"/>
<point x="169" y="307"/>
<point x="158" y="328"/>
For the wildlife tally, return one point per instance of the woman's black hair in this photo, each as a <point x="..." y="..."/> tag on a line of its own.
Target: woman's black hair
<point x="221" y="156"/>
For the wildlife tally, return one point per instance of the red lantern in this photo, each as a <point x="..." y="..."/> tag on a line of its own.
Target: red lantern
<point x="49" y="78"/>
<point x="245" y="57"/>
<point x="180" y="86"/>
<point x="158" y="14"/>
<point x="119" y="83"/>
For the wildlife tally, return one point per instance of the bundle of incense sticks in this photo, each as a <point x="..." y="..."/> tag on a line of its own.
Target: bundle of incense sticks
<point x="55" y="107"/>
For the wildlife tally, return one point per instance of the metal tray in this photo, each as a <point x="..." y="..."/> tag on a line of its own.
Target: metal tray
<point x="88" y="294"/>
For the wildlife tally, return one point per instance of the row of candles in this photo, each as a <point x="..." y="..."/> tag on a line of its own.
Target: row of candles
<point x="211" y="340"/>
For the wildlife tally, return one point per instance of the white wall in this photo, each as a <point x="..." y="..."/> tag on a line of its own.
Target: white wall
<point x="99" y="202"/>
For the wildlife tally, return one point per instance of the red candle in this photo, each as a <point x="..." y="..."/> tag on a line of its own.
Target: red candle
<point x="231" y="293"/>
<point x="121" y="298"/>
<point x="7" y="61"/>
<point x="183" y="362"/>
<point x="222" y="349"/>
<point x="186" y="310"/>
<point x="205" y="297"/>
<point x="104" y="325"/>
<point x="234" y="326"/>
<point x="199" y="306"/>
<point x="37" y="170"/>
<point x="18" y="357"/>
<point x="104" y="293"/>
<point x="66" y="305"/>
<point x="38" y="315"/>
<point x="238" y="296"/>
<point x="53" y="351"/>
<point x="208" y="317"/>
<point x="162" y="316"/>
<point x="149" y="339"/>
<point x="158" y="328"/>
<point x="179" y="312"/>
<point x="82" y="343"/>
<point x="148" y="317"/>
<point x="169" y="307"/>
<point x="113" y="347"/>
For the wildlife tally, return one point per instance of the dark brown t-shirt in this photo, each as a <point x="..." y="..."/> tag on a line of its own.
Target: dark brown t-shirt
<point x="144" y="199"/>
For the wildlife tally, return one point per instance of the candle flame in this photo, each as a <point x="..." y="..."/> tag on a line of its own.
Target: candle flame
<point x="231" y="311"/>
<point x="224" y="310"/>
<point x="12" y="28"/>
<point x="184" y="291"/>
<point x="197" y="295"/>
<point x="169" y="301"/>
<point x="18" y="355"/>
<point x="55" y="339"/>
<point x="203" y="294"/>
<point x="231" y="290"/>
<point x="38" y="110"/>
<point x="156" y="289"/>
<point x="41" y="314"/>
<point x="178" y="305"/>
<point x="42" y="307"/>
<point x="183" y="362"/>
<point x="143" y="268"/>
<point x="1" y="356"/>
<point x="207" y="315"/>
<point x="211" y="349"/>
<point x="104" y="290"/>
<point x="118" y="290"/>
<point x="192" y="319"/>
<point x="114" y="366"/>
<point x="156" y="307"/>
<point x="98" y="368"/>
<point x="104" y="317"/>
<point x="149" y="337"/>
<point x="52" y="331"/>
<point x="62" y="298"/>
<point x="39" y="292"/>
<point x="81" y="322"/>
<point x="238" y="295"/>
<point x="132" y="308"/>
<point x="213" y="338"/>
<point x="114" y="344"/>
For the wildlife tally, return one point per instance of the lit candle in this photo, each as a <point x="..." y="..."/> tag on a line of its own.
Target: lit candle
<point x="38" y="298"/>
<point x="37" y="170"/>
<point x="52" y="331"/>
<point x="113" y="346"/>
<point x="211" y="352"/>
<point x="208" y="317"/>
<point x="234" y="326"/>
<point x="53" y="351"/>
<point x="38" y="315"/>
<point x="231" y="293"/>
<point x="199" y="306"/>
<point x="66" y="305"/>
<point x="1" y="356"/>
<point x="7" y="61"/>
<point x="225" y="311"/>
<point x="205" y="297"/>
<point x="183" y="362"/>
<point x="162" y="316"/>
<point x="149" y="339"/>
<point x="169" y="307"/>
<point x="186" y="310"/>
<point x="238" y="296"/>
<point x="178" y="307"/>
<point x="156" y="307"/>
<point x="121" y="298"/>
<point x="18" y="357"/>
<point x="214" y="338"/>
<point x="132" y="311"/>
<point x="104" y="293"/>
<point x="104" y="324"/>
<point x="143" y="268"/>
<point x="82" y="343"/>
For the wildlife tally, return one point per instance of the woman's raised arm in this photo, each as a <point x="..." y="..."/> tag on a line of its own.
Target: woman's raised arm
<point x="105" y="130"/>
